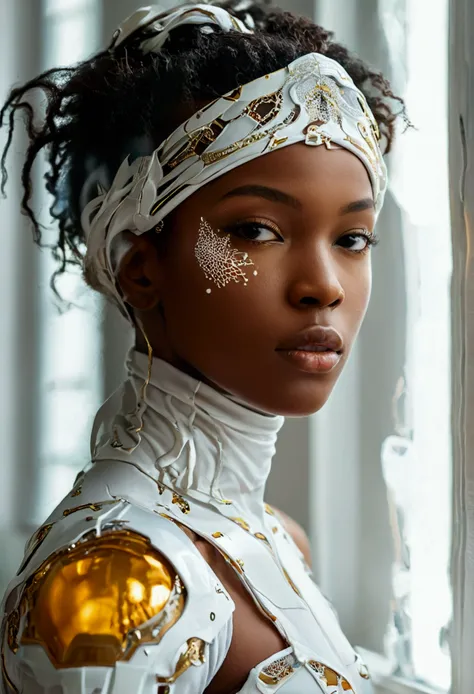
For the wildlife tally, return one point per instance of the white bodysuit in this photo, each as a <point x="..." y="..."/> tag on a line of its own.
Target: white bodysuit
<point x="112" y="557"/>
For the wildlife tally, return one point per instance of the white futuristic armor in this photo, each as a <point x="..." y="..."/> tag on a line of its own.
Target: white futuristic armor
<point x="114" y="598"/>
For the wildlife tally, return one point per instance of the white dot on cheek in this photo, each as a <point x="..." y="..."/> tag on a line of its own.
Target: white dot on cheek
<point x="208" y="291"/>
<point x="255" y="273"/>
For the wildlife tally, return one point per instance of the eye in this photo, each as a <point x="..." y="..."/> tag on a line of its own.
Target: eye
<point x="358" y="241"/>
<point x="258" y="232"/>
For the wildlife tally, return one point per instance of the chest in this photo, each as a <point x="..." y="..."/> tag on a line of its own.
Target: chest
<point x="286" y="634"/>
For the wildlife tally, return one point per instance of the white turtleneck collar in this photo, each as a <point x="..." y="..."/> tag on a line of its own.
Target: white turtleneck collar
<point x="191" y="438"/>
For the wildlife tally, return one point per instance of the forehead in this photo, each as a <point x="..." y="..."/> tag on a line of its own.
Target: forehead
<point x="305" y="172"/>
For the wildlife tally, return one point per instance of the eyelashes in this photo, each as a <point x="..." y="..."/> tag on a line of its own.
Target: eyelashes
<point x="263" y="232"/>
<point x="369" y="239"/>
<point x="255" y="231"/>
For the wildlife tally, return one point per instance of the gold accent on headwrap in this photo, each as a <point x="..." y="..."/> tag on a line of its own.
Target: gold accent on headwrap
<point x="199" y="140"/>
<point x="265" y="108"/>
<point x="86" y="604"/>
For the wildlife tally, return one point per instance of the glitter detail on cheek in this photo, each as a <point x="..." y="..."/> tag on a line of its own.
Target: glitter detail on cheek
<point x="219" y="261"/>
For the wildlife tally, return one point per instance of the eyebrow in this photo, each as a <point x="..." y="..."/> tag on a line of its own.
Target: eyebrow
<point x="275" y="195"/>
<point x="271" y="194"/>
<point x="358" y="206"/>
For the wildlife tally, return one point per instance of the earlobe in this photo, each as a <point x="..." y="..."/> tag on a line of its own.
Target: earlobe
<point x="139" y="274"/>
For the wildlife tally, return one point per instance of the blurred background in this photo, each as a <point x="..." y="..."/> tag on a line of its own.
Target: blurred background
<point x="369" y="476"/>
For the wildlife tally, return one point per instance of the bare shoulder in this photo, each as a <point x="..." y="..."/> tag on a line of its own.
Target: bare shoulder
<point x="299" y="536"/>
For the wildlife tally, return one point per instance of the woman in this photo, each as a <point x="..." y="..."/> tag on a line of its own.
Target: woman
<point x="218" y="173"/>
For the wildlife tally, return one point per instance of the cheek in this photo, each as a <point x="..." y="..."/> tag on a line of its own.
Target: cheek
<point x="358" y="289"/>
<point x="212" y="294"/>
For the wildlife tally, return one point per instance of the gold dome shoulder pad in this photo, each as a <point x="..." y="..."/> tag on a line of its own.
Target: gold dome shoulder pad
<point x="96" y="602"/>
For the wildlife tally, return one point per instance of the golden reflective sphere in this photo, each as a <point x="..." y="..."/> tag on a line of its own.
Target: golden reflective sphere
<point x="88" y="599"/>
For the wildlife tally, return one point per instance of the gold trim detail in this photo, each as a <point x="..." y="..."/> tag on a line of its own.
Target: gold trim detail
<point x="243" y="523"/>
<point x="6" y="676"/>
<point x="287" y="576"/>
<point x="236" y="564"/>
<point x="362" y="667"/>
<point x="13" y="627"/>
<point x="217" y="535"/>
<point x="199" y="141"/>
<point x="93" y="507"/>
<point x="279" y="670"/>
<point x="269" y="510"/>
<point x="193" y="656"/>
<point x="181" y="503"/>
<point x="37" y="539"/>
<point x="265" y="108"/>
<point x="77" y="492"/>
<point x="263" y="538"/>
<point x="330" y="677"/>
<point x="233" y="96"/>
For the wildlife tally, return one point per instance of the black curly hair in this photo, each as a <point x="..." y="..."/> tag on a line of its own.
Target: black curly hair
<point x="98" y="112"/>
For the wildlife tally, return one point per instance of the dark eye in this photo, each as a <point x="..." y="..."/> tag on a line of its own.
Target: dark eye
<point x="358" y="241"/>
<point x="255" y="231"/>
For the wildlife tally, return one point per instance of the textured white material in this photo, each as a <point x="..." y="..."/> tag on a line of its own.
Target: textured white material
<point x="162" y="23"/>
<point x="216" y="454"/>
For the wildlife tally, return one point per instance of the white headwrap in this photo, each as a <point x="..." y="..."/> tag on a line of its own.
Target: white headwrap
<point x="312" y="100"/>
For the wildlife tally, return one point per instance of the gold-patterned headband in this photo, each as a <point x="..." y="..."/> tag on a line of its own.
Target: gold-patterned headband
<point x="312" y="100"/>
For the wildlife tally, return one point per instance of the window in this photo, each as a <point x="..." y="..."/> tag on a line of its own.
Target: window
<point x="417" y="463"/>
<point x="381" y="449"/>
<point x="69" y="370"/>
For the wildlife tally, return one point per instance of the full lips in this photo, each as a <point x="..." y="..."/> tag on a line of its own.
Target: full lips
<point x="311" y="362"/>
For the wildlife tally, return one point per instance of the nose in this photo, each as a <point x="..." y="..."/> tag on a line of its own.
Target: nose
<point x="316" y="281"/>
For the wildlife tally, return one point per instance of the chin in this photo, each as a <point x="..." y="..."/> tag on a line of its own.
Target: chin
<point x="298" y="400"/>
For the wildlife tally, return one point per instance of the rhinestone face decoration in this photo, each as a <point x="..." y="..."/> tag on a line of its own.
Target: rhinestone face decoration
<point x="220" y="262"/>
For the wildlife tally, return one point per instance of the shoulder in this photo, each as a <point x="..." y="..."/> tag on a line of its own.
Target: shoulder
<point x="126" y="580"/>
<point x="297" y="533"/>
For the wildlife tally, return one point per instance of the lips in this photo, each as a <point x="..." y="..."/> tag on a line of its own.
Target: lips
<point x="316" y="350"/>
<point x="317" y="338"/>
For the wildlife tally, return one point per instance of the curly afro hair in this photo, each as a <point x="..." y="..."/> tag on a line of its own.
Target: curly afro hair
<point x="106" y="107"/>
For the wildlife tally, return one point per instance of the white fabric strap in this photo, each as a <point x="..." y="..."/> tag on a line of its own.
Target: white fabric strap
<point x="162" y="22"/>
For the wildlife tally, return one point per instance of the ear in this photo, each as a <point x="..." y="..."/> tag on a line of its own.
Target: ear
<point x="139" y="276"/>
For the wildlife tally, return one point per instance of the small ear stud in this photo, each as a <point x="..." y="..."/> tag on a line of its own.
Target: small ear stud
<point x="160" y="226"/>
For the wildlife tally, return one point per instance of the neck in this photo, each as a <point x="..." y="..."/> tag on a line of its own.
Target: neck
<point x="194" y="439"/>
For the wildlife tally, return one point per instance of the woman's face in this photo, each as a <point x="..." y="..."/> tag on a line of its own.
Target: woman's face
<point x="304" y="215"/>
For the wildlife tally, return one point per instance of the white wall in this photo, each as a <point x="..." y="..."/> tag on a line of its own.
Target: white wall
<point x="19" y="46"/>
